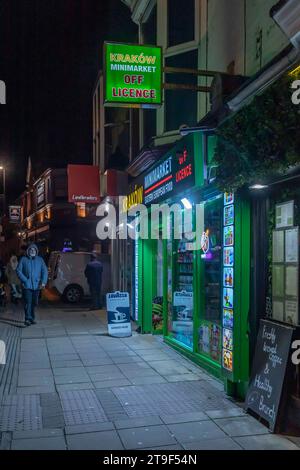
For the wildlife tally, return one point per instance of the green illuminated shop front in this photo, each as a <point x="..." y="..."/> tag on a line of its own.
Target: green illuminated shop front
<point x="195" y="291"/>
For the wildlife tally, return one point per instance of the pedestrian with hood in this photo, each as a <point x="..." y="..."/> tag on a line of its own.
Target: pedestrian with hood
<point x="93" y="273"/>
<point x="33" y="273"/>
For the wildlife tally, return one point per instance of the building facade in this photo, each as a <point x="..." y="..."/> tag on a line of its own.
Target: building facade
<point x="233" y="50"/>
<point x="51" y="221"/>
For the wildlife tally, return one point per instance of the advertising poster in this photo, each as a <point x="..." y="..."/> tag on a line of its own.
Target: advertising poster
<point x="228" y="257"/>
<point x="229" y="235"/>
<point x="182" y="324"/>
<point x="285" y="214"/>
<point x="228" y="360"/>
<point x="291" y="312"/>
<point x="204" y="339"/>
<point x="278" y="246"/>
<point x="228" y="318"/>
<point x="229" y="215"/>
<point x="227" y="339"/>
<point x="118" y="314"/>
<point x="228" y="198"/>
<point x="215" y="342"/>
<point x="15" y="214"/>
<point x="291" y="281"/>
<point x="292" y="245"/>
<point x="228" y="274"/>
<point x="278" y="280"/>
<point x="228" y="298"/>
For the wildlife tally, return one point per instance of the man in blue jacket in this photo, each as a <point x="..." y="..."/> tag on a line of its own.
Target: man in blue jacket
<point x="33" y="274"/>
<point x="93" y="273"/>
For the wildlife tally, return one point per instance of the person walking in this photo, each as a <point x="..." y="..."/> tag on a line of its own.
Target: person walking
<point x="93" y="273"/>
<point x="33" y="273"/>
<point x="13" y="279"/>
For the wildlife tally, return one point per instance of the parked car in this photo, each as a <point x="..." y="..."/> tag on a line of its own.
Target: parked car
<point x="66" y="274"/>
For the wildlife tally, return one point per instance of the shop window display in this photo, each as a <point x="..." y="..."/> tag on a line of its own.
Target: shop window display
<point x="210" y="330"/>
<point x="182" y="311"/>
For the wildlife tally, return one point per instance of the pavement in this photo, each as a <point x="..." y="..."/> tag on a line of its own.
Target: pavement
<point x="68" y="385"/>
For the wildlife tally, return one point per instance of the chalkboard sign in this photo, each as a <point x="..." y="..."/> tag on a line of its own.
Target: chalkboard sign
<point x="269" y="370"/>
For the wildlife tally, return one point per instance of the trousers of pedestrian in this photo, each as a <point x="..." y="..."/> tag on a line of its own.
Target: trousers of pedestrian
<point x="30" y="297"/>
<point x="96" y="297"/>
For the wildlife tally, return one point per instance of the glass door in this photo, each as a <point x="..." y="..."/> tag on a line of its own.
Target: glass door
<point x="210" y="325"/>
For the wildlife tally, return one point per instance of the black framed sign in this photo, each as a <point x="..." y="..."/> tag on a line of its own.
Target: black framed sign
<point x="269" y="370"/>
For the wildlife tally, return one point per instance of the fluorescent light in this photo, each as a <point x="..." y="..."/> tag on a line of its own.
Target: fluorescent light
<point x="186" y="203"/>
<point x="258" y="186"/>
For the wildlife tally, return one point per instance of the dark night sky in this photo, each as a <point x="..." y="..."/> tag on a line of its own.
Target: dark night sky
<point x="50" y="55"/>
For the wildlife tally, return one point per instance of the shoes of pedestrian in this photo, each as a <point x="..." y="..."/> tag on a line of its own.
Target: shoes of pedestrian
<point x="27" y="323"/>
<point x="33" y="322"/>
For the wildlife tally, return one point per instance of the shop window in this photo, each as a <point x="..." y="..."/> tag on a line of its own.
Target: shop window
<point x="180" y="291"/>
<point x="210" y="330"/>
<point x="181" y="21"/>
<point x="157" y="303"/>
<point x="181" y="105"/>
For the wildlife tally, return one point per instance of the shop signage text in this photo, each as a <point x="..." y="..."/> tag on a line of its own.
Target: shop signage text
<point x="133" y="199"/>
<point x="173" y="175"/>
<point x="133" y="75"/>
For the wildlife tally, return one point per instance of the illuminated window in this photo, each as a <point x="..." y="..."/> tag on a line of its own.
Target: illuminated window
<point x="81" y="210"/>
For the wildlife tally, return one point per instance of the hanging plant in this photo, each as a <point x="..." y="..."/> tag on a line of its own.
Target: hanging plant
<point x="261" y="140"/>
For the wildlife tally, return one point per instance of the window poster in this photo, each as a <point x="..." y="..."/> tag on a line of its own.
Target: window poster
<point x="292" y="245"/>
<point x="291" y="281"/>
<point x="228" y="274"/>
<point x="204" y="339"/>
<point x="228" y="318"/>
<point x="228" y="215"/>
<point x="228" y="360"/>
<point x="278" y="246"/>
<point x="278" y="310"/>
<point x="228" y="256"/>
<point x="229" y="235"/>
<point x="215" y="342"/>
<point x="285" y="214"/>
<point x="227" y="339"/>
<point x="228" y="198"/>
<point x="291" y="312"/>
<point x="278" y="280"/>
<point x="228" y="298"/>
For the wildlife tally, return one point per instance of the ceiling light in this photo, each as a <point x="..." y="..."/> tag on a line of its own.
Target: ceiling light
<point x="186" y="203"/>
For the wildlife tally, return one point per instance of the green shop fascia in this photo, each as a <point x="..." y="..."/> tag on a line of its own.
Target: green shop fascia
<point x="196" y="294"/>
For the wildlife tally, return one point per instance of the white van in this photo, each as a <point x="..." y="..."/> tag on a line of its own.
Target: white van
<point x="66" y="274"/>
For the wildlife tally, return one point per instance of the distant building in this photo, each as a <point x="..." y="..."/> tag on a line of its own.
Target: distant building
<point x="51" y="221"/>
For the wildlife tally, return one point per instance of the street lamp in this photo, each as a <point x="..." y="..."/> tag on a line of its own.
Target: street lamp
<point x="2" y="168"/>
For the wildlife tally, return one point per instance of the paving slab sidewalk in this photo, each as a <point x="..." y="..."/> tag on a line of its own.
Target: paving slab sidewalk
<point x="77" y="388"/>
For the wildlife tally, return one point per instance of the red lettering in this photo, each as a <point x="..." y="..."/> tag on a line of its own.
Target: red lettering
<point x="184" y="173"/>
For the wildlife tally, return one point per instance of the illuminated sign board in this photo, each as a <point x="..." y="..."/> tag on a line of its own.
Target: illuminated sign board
<point x="171" y="176"/>
<point x="133" y="75"/>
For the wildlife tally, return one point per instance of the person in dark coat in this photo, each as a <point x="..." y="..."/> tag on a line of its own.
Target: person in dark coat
<point x="33" y="274"/>
<point x="93" y="273"/>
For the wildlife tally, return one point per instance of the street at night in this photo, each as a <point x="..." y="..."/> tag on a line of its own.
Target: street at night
<point x="149" y="230"/>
